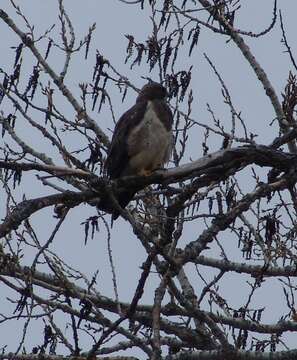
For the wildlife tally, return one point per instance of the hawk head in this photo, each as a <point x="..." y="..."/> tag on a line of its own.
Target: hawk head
<point x="152" y="91"/>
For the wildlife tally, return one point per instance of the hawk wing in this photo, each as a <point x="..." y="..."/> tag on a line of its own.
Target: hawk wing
<point x="118" y="159"/>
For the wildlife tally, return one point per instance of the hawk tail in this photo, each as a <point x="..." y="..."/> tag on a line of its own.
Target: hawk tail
<point x="123" y="199"/>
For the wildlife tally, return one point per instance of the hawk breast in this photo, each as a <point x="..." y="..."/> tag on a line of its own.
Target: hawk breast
<point x="150" y="142"/>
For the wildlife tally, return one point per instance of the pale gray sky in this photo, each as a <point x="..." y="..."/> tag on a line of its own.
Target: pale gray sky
<point x="114" y="20"/>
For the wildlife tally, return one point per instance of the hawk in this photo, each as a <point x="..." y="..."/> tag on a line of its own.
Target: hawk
<point x="142" y="140"/>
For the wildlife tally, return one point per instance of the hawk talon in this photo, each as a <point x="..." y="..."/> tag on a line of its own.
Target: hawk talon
<point x="160" y="168"/>
<point x="145" y="173"/>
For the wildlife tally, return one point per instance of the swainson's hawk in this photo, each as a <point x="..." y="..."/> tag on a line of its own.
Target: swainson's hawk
<point x="142" y="139"/>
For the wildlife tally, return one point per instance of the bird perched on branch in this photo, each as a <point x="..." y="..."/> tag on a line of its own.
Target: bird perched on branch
<point x="142" y="140"/>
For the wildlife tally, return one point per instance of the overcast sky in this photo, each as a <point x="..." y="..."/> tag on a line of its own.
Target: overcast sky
<point x="114" y="20"/>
